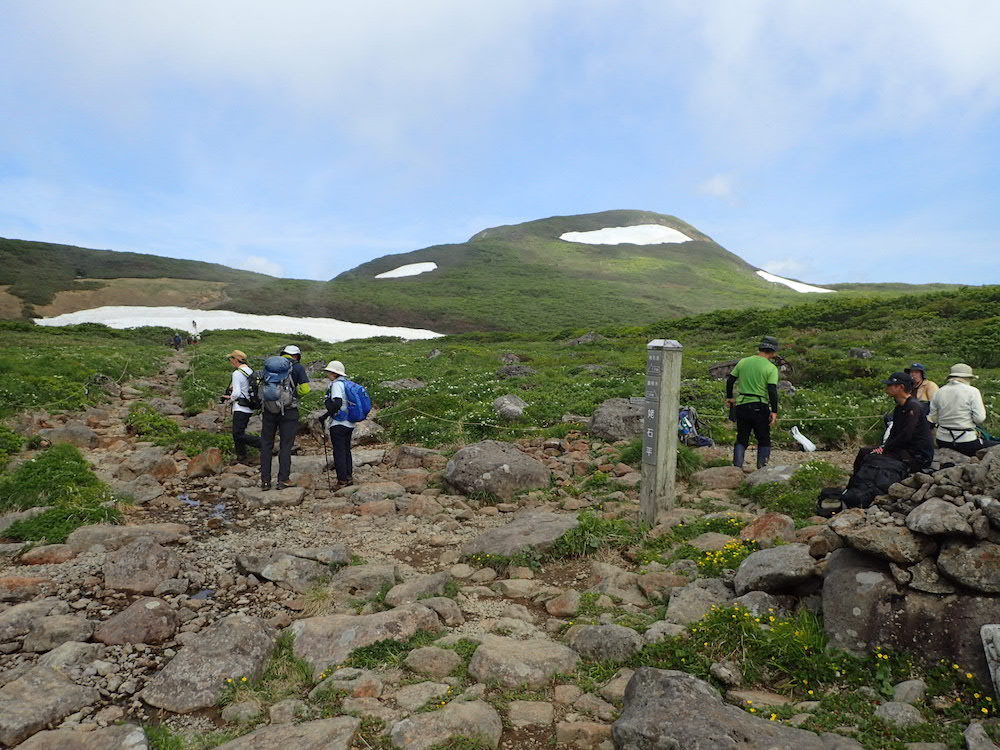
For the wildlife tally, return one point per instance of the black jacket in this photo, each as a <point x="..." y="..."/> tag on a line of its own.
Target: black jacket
<point x="910" y="438"/>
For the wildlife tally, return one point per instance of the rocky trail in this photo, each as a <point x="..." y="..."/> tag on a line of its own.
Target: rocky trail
<point x="173" y="617"/>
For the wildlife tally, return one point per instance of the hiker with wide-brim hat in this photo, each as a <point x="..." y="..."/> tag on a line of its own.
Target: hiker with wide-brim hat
<point x="957" y="409"/>
<point x="238" y="395"/>
<point x="341" y="428"/>
<point x="754" y="407"/>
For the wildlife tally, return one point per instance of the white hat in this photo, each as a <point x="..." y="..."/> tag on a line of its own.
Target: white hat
<point x="961" y="370"/>
<point x="336" y="366"/>
<point x="291" y="349"/>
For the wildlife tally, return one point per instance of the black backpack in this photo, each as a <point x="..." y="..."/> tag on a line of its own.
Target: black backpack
<point x="873" y="478"/>
<point x="830" y="501"/>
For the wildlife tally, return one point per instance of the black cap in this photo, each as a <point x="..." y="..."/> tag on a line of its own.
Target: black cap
<point x="899" y="378"/>
<point x="915" y="366"/>
<point x="768" y="342"/>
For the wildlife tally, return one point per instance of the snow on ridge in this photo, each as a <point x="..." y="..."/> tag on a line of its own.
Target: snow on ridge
<point x="639" y="234"/>
<point x="181" y="318"/>
<point x="798" y="286"/>
<point x="410" y="269"/>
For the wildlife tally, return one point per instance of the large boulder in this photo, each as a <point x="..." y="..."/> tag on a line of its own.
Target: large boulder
<point x="618" y="419"/>
<point x="977" y="567"/>
<point x="38" y="698"/>
<point x="604" y="642"/>
<point x="470" y="719"/>
<point x="152" y="460"/>
<point x="122" y="737"/>
<point x="237" y="646"/>
<point x="893" y="543"/>
<point x="497" y="468"/>
<point x="509" y="406"/>
<point x="206" y="464"/>
<point x="863" y="607"/>
<point x="537" y="530"/>
<point x="295" y="573"/>
<point x="512" y="663"/>
<point x="669" y="710"/>
<point x="114" y="537"/>
<point x="140" y="566"/>
<point x="323" y="734"/>
<point x="73" y="432"/>
<point x="937" y="517"/>
<point x="776" y="570"/>
<point x="324" y="641"/>
<point x="719" y="477"/>
<point x="146" y="620"/>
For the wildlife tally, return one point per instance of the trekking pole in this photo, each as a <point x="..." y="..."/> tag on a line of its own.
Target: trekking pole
<point x="326" y="468"/>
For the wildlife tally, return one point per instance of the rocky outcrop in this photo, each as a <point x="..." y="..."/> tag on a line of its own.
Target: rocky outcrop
<point x="618" y="419"/>
<point x="535" y="530"/>
<point x="496" y="468"/>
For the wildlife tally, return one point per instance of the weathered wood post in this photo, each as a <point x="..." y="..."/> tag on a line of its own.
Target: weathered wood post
<point x="659" y="427"/>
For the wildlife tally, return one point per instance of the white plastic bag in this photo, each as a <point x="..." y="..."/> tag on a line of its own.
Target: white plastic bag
<point x="807" y="444"/>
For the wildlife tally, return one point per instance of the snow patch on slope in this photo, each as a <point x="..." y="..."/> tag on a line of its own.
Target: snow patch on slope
<point x="640" y="234"/>
<point x="798" y="286"/>
<point x="181" y="319"/>
<point x="410" y="269"/>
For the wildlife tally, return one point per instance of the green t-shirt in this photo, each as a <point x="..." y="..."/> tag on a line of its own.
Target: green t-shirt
<point x="753" y="374"/>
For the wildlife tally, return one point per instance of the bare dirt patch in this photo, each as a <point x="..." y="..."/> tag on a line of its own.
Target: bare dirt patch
<point x="148" y="292"/>
<point x="10" y="306"/>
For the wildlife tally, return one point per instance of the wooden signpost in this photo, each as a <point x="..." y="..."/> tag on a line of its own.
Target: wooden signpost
<point x="659" y="428"/>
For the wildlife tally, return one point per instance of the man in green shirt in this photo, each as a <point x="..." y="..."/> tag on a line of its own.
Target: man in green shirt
<point x="755" y="406"/>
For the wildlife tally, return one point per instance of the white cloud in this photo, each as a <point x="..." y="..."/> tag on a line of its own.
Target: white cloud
<point x="261" y="265"/>
<point x="718" y="186"/>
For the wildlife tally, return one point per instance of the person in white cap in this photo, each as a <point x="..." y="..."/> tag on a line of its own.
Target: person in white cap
<point x="957" y="408"/>
<point x="341" y="428"/>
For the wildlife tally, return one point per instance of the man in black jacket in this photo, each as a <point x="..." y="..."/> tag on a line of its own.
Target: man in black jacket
<point x="910" y="439"/>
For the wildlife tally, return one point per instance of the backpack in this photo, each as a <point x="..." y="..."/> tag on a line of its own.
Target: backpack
<point x="252" y="399"/>
<point x="359" y="403"/>
<point x="277" y="391"/>
<point x="830" y="501"/>
<point x="873" y="478"/>
<point x="687" y="429"/>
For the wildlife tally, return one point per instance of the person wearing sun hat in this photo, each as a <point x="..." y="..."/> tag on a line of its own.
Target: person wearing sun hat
<point x="341" y="428"/>
<point x="239" y="396"/>
<point x="923" y="389"/>
<point x="957" y="408"/>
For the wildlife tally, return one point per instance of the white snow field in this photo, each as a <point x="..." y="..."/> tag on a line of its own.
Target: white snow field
<point x="798" y="286"/>
<point x="410" y="269"/>
<point x="640" y="234"/>
<point x="181" y="318"/>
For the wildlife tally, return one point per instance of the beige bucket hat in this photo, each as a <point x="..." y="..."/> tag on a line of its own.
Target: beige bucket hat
<point x="237" y="355"/>
<point x="336" y="366"/>
<point x="961" y="370"/>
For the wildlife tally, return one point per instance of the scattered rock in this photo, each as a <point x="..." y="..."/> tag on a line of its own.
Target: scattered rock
<point x="535" y="530"/>
<point x="140" y="566"/>
<point x="323" y="734"/>
<point x="500" y="469"/>
<point x="719" y="478"/>
<point x="512" y="663"/>
<point x="37" y="699"/>
<point x="777" y="570"/>
<point x="146" y="620"/>
<point x="206" y="464"/>
<point x="123" y="737"/>
<point x="509" y="407"/>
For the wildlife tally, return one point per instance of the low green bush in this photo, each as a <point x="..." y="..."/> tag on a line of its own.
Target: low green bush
<point x="144" y="420"/>
<point x="10" y="443"/>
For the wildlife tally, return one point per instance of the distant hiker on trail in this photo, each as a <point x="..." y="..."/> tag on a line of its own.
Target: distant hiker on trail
<point x="341" y="428"/>
<point x="957" y="408"/>
<point x="755" y="405"/>
<point x="283" y="383"/>
<point x="177" y="342"/>
<point x="923" y="389"/>
<point x="909" y="439"/>
<point x="239" y="397"/>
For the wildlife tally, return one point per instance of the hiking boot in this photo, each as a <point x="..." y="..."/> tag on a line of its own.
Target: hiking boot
<point x="282" y="485"/>
<point x="345" y="483"/>
<point x="265" y="486"/>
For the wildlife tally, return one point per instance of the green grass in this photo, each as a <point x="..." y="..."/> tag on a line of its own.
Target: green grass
<point x="58" y="477"/>
<point x="797" y="497"/>
<point x="161" y="737"/>
<point x="10" y="444"/>
<point x="63" y="369"/>
<point x="145" y="421"/>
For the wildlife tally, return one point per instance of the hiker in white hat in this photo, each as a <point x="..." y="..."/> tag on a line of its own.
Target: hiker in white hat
<point x="341" y="428"/>
<point x="957" y="408"/>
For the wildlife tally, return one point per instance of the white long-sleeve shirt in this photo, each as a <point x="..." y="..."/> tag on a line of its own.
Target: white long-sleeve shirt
<point x="241" y="388"/>
<point x="956" y="409"/>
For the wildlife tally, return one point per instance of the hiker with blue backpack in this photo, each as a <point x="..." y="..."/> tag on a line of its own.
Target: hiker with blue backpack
<point x="347" y="403"/>
<point x="283" y="382"/>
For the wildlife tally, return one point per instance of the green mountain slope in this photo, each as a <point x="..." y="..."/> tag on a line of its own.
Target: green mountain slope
<point x="513" y="278"/>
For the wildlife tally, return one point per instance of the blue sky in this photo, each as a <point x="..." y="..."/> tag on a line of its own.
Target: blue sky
<point x="847" y="141"/>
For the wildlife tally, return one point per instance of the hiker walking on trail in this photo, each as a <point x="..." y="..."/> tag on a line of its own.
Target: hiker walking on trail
<point x="239" y="397"/>
<point x="341" y="428"/>
<point x="923" y="389"/>
<point x="283" y="383"/>
<point x="909" y="439"/>
<point x="177" y="341"/>
<point x="754" y="407"/>
<point x="957" y="408"/>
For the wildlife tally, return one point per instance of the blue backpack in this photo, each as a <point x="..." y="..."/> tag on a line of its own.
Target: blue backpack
<point x="277" y="391"/>
<point x="359" y="403"/>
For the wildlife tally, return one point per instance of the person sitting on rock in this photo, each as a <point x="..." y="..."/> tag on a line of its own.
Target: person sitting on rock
<point x="923" y="389"/>
<point x="909" y="439"/>
<point x="755" y="406"/>
<point x="957" y="408"/>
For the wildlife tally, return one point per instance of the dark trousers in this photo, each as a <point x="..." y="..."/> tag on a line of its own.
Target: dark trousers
<point x="343" y="462"/>
<point x="913" y="461"/>
<point x="755" y="417"/>
<point x="240" y="437"/>
<point x="968" y="448"/>
<point x="286" y="425"/>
